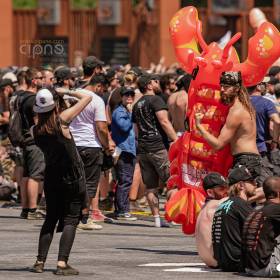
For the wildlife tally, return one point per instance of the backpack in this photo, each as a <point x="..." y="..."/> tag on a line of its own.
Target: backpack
<point x="15" y="133"/>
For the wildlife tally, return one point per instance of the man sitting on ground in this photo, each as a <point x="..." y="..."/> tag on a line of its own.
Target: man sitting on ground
<point x="229" y="219"/>
<point x="216" y="189"/>
<point x="261" y="240"/>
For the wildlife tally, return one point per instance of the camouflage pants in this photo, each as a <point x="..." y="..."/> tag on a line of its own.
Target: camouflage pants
<point x="8" y="165"/>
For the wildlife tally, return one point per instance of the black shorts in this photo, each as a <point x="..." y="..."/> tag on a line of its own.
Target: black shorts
<point x="33" y="163"/>
<point x="92" y="159"/>
<point x="256" y="165"/>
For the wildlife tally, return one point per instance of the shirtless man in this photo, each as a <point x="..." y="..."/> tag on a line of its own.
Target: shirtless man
<point x="216" y="188"/>
<point x="178" y="104"/>
<point x="240" y="128"/>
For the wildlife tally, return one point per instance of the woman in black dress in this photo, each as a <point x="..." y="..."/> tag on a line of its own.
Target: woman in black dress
<point x="64" y="182"/>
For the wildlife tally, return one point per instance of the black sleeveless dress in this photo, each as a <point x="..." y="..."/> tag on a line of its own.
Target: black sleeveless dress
<point x="64" y="182"/>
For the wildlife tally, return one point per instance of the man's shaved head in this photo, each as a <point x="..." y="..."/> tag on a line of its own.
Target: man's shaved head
<point x="271" y="187"/>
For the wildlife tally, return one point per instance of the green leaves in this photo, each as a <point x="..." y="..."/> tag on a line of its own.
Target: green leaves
<point x="25" y="4"/>
<point x="83" y="4"/>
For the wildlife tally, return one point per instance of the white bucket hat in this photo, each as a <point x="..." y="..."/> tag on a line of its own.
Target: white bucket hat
<point x="44" y="101"/>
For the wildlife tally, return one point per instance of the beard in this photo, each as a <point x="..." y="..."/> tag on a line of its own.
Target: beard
<point x="219" y="196"/>
<point x="227" y="99"/>
<point x="250" y="193"/>
<point x="157" y="90"/>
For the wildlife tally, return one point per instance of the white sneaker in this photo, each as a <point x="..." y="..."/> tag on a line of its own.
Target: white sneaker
<point x="90" y="225"/>
<point x="126" y="217"/>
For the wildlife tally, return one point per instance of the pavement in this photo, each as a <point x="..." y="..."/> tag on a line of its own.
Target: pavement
<point x="134" y="250"/>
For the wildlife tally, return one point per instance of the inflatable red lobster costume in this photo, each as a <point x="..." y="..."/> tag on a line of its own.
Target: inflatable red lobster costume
<point x="191" y="157"/>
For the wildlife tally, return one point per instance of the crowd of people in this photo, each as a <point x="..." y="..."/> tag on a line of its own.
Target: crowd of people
<point x="80" y="139"/>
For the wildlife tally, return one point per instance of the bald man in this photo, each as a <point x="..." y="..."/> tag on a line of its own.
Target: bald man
<point x="216" y="188"/>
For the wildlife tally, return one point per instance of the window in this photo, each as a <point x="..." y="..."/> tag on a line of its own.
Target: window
<point x="195" y="3"/>
<point x="115" y="50"/>
<point x="263" y="3"/>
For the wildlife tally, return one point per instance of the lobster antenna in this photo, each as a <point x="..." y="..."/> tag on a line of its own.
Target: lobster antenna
<point x="231" y="42"/>
<point x="201" y="41"/>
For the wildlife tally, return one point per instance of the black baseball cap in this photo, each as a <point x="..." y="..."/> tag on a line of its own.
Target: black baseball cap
<point x="92" y="62"/>
<point x="274" y="70"/>
<point x="273" y="81"/>
<point x="5" y="82"/>
<point x="63" y="73"/>
<point x="110" y="75"/>
<point x="146" y="78"/>
<point x="125" y="90"/>
<point x="239" y="174"/>
<point x="98" y="79"/>
<point x="213" y="180"/>
<point x="137" y="71"/>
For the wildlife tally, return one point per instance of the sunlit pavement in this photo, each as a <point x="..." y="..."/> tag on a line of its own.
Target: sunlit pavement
<point x="134" y="250"/>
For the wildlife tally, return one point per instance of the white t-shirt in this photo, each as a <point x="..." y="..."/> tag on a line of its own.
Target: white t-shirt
<point x="83" y="126"/>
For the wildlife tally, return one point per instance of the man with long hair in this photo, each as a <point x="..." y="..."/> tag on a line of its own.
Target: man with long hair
<point x="239" y="129"/>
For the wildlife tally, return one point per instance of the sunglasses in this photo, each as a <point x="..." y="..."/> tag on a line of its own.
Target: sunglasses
<point x="132" y="94"/>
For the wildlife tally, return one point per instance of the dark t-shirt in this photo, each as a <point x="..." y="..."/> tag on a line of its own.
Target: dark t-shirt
<point x="226" y="232"/>
<point x="151" y="137"/>
<point x="27" y="115"/>
<point x="115" y="99"/>
<point x="259" y="233"/>
<point x="264" y="109"/>
<point x="81" y="83"/>
<point x="164" y="97"/>
<point x="105" y="97"/>
<point x="27" y="109"/>
<point x="4" y="128"/>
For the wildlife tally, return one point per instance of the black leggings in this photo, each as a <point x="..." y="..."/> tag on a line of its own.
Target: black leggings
<point x="65" y="244"/>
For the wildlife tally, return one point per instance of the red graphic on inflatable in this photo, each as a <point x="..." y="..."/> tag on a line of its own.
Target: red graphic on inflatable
<point x="191" y="157"/>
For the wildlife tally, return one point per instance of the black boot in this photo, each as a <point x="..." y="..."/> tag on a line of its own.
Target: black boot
<point x="67" y="270"/>
<point x="38" y="267"/>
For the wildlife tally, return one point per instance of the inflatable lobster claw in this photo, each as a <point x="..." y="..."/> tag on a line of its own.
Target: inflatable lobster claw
<point x="191" y="157"/>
